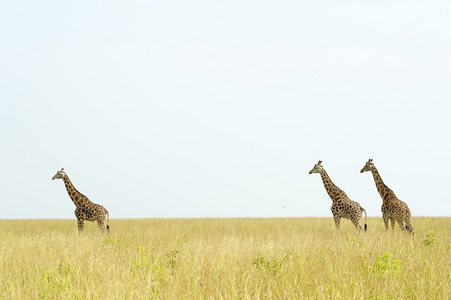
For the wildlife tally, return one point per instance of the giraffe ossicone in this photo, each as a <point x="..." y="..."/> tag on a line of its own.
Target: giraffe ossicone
<point x="86" y="210"/>
<point x="342" y="206"/>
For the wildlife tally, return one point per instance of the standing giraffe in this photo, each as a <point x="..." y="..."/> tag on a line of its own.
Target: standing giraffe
<point x="86" y="210"/>
<point x="392" y="208"/>
<point x="342" y="206"/>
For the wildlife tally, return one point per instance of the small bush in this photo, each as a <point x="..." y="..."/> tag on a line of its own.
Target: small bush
<point x="172" y="264"/>
<point x="384" y="265"/>
<point x="430" y="239"/>
<point x="271" y="266"/>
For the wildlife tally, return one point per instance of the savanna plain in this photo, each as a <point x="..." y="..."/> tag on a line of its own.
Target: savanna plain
<point x="240" y="258"/>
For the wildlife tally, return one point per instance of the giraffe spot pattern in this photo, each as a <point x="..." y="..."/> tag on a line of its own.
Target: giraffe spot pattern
<point x="393" y="209"/>
<point x="342" y="206"/>
<point x="86" y="210"/>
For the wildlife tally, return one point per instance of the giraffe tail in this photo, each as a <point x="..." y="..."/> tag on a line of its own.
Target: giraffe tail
<point x="366" y="227"/>
<point x="107" y="221"/>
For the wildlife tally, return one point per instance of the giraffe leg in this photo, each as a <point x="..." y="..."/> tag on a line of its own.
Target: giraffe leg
<point x="101" y="223"/>
<point x="337" y="222"/>
<point x="409" y="226"/>
<point x="356" y="223"/>
<point x="385" y="222"/>
<point x="401" y="223"/>
<point x="392" y="222"/>
<point x="81" y="225"/>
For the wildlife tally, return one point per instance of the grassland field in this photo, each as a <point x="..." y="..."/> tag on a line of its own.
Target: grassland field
<point x="239" y="258"/>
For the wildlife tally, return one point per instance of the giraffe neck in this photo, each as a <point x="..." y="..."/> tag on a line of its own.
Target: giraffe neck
<point x="331" y="188"/>
<point x="75" y="195"/>
<point x="380" y="185"/>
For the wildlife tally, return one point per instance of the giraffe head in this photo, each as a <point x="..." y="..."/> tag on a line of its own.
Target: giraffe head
<point x="368" y="166"/>
<point x="318" y="168"/>
<point x="59" y="175"/>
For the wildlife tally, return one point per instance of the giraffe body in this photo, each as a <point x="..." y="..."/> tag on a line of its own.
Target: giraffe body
<point x="393" y="209"/>
<point x="86" y="210"/>
<point x="342" y="206"/>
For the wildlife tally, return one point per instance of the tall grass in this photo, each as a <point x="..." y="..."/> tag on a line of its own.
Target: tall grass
<point x="246" y="258"/>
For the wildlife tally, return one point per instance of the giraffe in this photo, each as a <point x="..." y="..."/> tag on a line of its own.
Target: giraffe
<point x="392" y="208"/>
<point x="342" y="206"/>
<point x="86" y="210"/>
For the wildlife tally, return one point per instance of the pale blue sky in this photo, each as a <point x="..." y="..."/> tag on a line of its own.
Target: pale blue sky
<point x="220" y="109"/>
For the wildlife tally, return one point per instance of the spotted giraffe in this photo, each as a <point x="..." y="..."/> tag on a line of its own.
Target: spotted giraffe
<point x="342" y="206"/>
<point x="86" y="210"/>
<point x="392" y="208"/>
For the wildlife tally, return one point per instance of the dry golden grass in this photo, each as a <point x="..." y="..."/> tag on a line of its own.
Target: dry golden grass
<point x="276" y="258"/>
